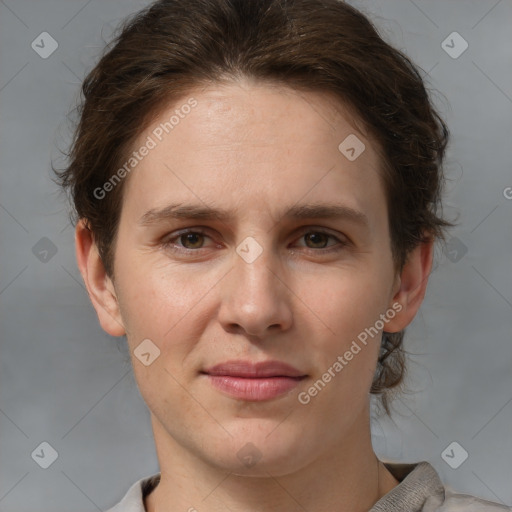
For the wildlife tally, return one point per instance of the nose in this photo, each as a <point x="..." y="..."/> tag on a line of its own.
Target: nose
<point x="255" y="296"/>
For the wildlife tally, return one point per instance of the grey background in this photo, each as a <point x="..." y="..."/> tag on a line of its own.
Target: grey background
<point x="66" y="382"/>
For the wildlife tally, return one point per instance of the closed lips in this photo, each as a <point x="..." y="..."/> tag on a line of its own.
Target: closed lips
<point x="247" y="369"/>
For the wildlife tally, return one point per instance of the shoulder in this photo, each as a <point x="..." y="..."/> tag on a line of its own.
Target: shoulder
<point x="454" y="502"/>
<point x="421" y="489"/>
<point x="133" y="500"/>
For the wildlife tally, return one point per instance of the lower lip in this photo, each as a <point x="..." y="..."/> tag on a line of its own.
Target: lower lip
<point x="253" y="389"/>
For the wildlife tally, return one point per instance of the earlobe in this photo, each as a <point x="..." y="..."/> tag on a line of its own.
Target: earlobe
<point x="411" y="286"/>
<point x="99" y="285"/>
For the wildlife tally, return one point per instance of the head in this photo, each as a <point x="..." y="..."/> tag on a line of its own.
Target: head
<point x="255" y="109"/>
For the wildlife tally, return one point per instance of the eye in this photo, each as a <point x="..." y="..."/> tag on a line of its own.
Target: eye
<point x="318" y="240"/>
<point x="191" y="241"/>
<point x="187" y="241"/>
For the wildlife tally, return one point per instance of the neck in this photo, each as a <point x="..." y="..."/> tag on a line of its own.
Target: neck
<point x="350" y="475"/>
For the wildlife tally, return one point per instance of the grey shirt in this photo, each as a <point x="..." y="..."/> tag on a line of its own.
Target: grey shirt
<point x="420" y="490"/>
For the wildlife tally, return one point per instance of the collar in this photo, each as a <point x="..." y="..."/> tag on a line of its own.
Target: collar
<point x="418" y="482"/>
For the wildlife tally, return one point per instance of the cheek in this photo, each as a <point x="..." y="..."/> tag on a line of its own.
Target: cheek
<point x="171" y="307"/>
<point x="347" y="300"/>
<point x="156" y="299"/>
<point x="347" y="309"/>
<point x="173" y="303"/>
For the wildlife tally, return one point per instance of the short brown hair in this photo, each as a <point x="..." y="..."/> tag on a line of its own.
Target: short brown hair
<point x="172" y="46"/>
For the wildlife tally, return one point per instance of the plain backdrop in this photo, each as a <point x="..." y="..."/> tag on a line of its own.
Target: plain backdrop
<point x="66" y="383"/>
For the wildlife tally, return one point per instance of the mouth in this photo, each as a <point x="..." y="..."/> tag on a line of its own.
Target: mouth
<point x="249" y="381"/>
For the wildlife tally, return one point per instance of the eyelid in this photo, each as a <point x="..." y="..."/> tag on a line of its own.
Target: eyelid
<point x="167" y="240"/>
<point x="318" y="229"/>
<point x="341" y="243"/>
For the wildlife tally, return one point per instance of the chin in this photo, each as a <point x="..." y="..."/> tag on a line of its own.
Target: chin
<point x="271" y="449"/>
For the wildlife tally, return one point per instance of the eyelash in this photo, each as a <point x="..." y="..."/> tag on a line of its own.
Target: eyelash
<point x="169" y="243"/>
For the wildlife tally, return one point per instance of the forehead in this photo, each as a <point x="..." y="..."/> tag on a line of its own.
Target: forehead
<point x="238" y="109"/>
<point x="248" y="142"/>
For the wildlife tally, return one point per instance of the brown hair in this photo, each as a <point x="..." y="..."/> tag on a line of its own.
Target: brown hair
<point x="173" y="46"/>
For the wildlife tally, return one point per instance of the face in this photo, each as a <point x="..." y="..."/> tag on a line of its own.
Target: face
<point x="294" y="268"/>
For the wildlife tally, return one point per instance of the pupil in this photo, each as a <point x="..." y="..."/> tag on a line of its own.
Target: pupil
<point x="314" y="236"/>
<point x="190" y="238"/>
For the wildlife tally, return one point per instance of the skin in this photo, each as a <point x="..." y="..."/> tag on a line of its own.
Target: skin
<point x="257" y="149"/>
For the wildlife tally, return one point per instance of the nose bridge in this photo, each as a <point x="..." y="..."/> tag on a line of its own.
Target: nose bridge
<point x="253" y="263"/>
<point x="257" y="298"/>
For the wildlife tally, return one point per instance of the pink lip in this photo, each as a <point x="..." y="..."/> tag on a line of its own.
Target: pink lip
<point x="255" y="370"/>
<point x="255" y="382"/>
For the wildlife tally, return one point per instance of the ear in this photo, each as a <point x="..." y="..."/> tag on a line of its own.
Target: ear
<point x="410" y="286"/>
<point x="99" y="285"/>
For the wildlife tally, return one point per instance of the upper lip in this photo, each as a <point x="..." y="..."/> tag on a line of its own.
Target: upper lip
<point x="249" y="369"/>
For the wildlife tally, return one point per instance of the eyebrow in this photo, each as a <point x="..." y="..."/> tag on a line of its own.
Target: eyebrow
<point x="301" y="212"/>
